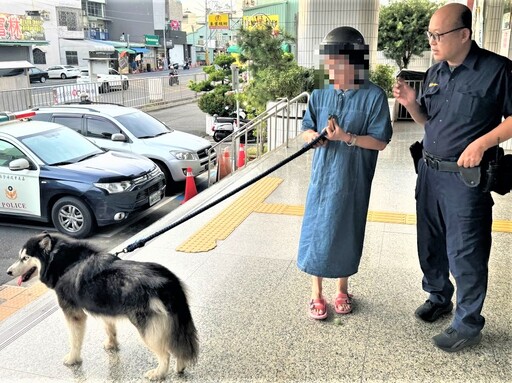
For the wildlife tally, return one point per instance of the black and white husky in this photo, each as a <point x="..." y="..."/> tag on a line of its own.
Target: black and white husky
<point x="103" y="285"/>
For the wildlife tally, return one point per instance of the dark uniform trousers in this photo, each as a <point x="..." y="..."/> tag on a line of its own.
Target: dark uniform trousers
<point x="454" y="235"/>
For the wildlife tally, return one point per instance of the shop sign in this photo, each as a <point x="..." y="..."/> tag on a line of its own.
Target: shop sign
<point x="218" y="21"/>
<point x="21" y="27"/>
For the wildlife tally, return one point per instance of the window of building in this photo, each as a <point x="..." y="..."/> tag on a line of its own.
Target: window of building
<point x="94" y="9"/>
<point x="39" y="56"/>
<point x="70" y="18"/>
<point x="72" y="57"/>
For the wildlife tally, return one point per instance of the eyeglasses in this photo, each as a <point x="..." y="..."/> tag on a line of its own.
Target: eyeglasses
<point x="437" y="36"/>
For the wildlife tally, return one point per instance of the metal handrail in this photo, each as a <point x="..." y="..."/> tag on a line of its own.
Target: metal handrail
<point x="281" y="107"/>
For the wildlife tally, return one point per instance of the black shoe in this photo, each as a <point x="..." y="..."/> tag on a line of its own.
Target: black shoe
<point x="430" y="312"/>
<point x="451" y="341"/>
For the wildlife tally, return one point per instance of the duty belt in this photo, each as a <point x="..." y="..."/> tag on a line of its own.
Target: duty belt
<point x="470" y="176"/>
<point x="439" y="164"/>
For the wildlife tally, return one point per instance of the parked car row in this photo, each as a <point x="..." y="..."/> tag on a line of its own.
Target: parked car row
<point x="84" y="166"/>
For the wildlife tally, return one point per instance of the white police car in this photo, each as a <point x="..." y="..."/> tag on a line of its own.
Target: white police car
<point x="51" y="173"/>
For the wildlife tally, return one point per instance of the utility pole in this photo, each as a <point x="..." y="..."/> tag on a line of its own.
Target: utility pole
<point x="166" y="65"/>
<point x="206" y="47"/>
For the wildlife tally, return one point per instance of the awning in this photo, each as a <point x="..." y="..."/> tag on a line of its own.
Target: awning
<point x="91" y="45"/>
<point x="127" y="50"/>
<point x="140" y="50"/>
<point x="22" y="43"/>
<point x="15" y="64"/>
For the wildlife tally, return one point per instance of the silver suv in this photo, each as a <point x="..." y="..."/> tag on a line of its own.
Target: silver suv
<point x="121" y="128"/>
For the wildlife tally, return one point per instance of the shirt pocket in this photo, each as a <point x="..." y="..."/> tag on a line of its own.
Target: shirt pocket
<point x="431" y="102"/>
<point x="470" y="102"/>
<point x="354" y="122"/>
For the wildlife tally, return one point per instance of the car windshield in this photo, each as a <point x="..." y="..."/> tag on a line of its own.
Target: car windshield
<point x="142" y="125"/>
<point x="72" y="147"/>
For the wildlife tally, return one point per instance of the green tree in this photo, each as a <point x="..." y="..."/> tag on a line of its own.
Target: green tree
<point x="273" y="71"/>
<point x="402" y="26"/>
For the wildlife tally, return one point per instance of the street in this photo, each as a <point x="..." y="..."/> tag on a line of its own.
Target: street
<point x="14" y="232"/>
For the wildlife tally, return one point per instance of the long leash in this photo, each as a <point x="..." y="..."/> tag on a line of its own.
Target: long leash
<point x="141" y="242"/>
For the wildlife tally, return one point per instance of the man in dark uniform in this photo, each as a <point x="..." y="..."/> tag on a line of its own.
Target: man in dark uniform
<point x="465" y="106"/>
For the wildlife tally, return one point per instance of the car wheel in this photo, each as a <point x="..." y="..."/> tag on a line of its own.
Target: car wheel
<point x="171" y="186"/>
<point x="125" y="85"/>
<point x="72" y="217"/>
<point x="105" y="88"/>
<point x="63" y="76"/>
<point x="42" y="79"/>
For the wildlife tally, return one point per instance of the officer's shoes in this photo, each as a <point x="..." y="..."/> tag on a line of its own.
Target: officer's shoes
<point x="451" y="341"/>
<point x="430" y="311"/>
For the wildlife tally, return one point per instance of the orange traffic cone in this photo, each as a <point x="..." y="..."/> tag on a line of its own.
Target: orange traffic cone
<point x="190" y="186"/>
<point x="224" y="166"/>
<point x="241" y="156"/>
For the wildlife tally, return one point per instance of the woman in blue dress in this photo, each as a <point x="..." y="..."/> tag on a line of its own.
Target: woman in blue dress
<point x="355" y="114"/>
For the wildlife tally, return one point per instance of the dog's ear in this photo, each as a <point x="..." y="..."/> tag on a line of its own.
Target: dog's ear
<point x="46" y="242"/>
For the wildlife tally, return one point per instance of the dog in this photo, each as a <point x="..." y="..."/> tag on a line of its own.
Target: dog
<point x="85" y="279"/>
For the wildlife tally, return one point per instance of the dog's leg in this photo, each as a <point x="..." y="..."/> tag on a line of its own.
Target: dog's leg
<point x="110" y="343"/>
<point x="156" y="336"/>
<point x="76" y="324"/>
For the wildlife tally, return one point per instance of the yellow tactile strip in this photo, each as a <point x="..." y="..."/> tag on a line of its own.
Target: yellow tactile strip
<point x="253" y="202"/>
<point x="13" y="298"/>
<point x="223" y="225"/>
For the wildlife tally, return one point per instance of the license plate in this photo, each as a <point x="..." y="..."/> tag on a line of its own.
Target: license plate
<point x="154" y="198"/>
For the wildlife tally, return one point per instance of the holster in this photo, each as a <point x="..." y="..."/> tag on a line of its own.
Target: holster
<point x="416" y="151"/>
<point x="498" y="175"/>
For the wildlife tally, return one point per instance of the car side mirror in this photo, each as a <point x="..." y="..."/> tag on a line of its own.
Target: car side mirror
<point x="118" y="137"/>
<point x="19" y="164"/>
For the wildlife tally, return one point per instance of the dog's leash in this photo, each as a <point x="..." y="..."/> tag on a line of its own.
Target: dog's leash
<point x="141" y="242"/>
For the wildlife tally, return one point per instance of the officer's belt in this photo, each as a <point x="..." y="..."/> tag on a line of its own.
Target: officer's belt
<point x="470" y="176"/>
<point x="439" y="164"/>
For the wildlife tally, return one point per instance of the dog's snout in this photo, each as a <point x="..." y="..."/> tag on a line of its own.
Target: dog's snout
<point x="9" y="272"/>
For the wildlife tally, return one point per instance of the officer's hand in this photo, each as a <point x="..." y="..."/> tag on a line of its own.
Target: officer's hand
<point x="472" y="155"/>
<point x="403" y="92"/>
<point x="309" y="135"/>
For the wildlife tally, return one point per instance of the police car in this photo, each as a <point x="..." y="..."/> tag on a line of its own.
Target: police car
<point x="51" y="173"/>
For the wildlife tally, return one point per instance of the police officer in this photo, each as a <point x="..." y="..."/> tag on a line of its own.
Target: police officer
<point x="465" y="105"/>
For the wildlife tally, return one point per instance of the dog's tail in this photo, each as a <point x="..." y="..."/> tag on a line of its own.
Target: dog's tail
<point x="184" y="342"/>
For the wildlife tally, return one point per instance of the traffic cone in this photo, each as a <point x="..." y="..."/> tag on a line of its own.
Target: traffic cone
<point x="190" y="186"/>
<point x="241" y="156"/>
<point x="224" y="166"/>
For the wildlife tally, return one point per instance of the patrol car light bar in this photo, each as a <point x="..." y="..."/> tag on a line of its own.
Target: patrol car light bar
<point x="15" y="116"/>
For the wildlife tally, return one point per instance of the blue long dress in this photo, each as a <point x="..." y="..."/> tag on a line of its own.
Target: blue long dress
<point x="333" y="226"/>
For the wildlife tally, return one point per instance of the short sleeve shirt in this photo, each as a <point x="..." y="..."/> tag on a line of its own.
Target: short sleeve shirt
<point x="466" y="103"/>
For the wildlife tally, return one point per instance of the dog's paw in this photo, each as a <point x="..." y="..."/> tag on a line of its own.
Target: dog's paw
<point x="180" y="366"/>
<point x="71" y="360"/>
<point x="110" y="345"/>
<point x="154" y="375"/>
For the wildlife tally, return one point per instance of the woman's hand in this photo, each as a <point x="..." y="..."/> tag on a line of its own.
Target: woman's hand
<point x="310" y="135"/>
<point x="335" y="133"/>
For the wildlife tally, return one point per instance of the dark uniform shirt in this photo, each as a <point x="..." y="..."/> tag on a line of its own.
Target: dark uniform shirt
<point x="466" y="103"/>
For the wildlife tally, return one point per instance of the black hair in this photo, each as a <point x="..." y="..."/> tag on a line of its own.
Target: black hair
<point x="466" y="18"/>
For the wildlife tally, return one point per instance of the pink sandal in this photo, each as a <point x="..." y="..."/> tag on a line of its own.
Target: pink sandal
<point x="318" y="309"/>
<point x="343" y="303"/>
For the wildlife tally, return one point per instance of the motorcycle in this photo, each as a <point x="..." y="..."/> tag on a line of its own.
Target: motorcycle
<point x="173" y="77"/>
<point x="186" y="65"/>
<point x="224" y="126"/>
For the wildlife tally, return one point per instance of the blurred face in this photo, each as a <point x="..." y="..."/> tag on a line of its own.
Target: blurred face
<point x="446" y="37"/>
<point x="341" y="72"/>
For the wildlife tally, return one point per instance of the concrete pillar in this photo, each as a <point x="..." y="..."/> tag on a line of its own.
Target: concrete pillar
<point x="319" y="17"/>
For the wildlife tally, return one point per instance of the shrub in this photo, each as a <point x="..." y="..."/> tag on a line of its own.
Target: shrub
<point x="382" y="75"/>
